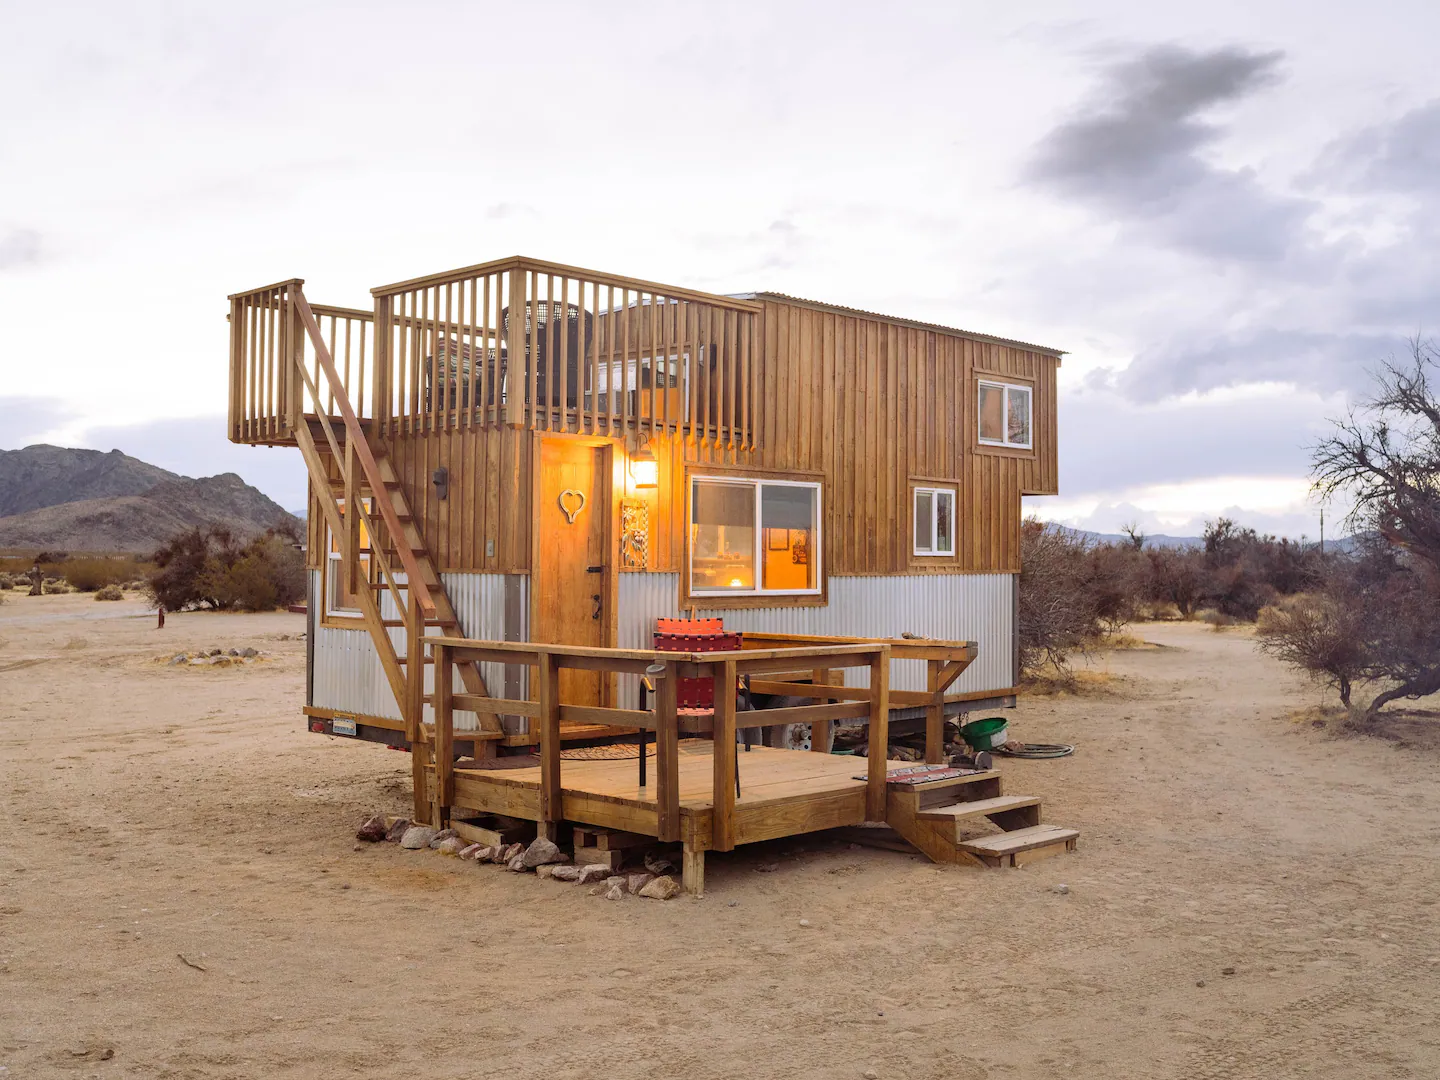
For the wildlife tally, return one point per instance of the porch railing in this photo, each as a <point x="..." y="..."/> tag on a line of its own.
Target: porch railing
<point x="535" y="344"/>
<point x="871" y="703"/>
<point x="945" y="661"/>
<point x="269" y="345"/>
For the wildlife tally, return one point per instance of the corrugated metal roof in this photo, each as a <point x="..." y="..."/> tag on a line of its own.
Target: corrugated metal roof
<point x="917" y="323"/>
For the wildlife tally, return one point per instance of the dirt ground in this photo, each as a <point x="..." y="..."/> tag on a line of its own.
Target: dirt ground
<point x="156" y="813"/>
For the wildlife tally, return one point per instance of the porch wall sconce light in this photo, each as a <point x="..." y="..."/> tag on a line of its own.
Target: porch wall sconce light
<point x="644" y="469"/>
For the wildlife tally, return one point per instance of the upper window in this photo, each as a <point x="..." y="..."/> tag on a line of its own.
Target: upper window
<point x="1005" y="414"/>
<point x="753" y="537"/>
<point x="934" y="521"/>
<point x="340" y="599"/>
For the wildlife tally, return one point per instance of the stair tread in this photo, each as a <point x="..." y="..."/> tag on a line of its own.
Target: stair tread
<point x="903" y="783"/>
<point x="980" y="807"/>
<point x="1020" y="840"/>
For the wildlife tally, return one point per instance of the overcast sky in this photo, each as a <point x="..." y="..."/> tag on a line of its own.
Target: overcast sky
<point x="1224" y="212"/>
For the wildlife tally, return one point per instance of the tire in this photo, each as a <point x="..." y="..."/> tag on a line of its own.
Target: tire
<point x="794" y="737"/>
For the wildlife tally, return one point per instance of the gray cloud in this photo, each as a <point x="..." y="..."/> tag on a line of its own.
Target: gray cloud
<point x="1403" y="156"/>
<point x="19" y="247"/>
<point x="23" y="420"/>
<point x="1315" y="360"/>
<point x="1102" y="433"/>
<point x="1135" y="150"/>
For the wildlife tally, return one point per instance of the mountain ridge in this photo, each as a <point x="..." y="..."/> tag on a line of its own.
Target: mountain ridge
<point x="89" y="500"/>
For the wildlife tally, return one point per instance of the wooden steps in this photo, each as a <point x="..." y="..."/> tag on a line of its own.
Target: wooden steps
<point x="930" y="793"/>
<point x="1010" y="812"/>
<point x="933" y="814"/>
<point x="1022" y="845"/>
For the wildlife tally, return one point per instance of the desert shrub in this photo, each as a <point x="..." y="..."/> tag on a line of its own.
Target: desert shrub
<point x="208" y="568"/>
<point x="1244" y="571"/>
<point x="57" y="588"/>
<point x="87" y="575"/>
<point x="6" y="582"/>
<point x="110" y="592"/>
<point x="1058" y="611"/>
<point x="1386" y="457"/>
<point x="1177" y="576"/>
<point x="1320" y="633"/>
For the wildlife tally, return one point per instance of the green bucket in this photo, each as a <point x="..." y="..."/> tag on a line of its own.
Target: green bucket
<point x="987" y="734"/>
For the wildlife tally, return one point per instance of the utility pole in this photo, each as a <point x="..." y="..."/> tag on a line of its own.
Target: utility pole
<point x="1322" y="530"/>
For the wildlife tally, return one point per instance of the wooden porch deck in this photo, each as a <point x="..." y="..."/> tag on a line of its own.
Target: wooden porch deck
<point x="782" y="793"/>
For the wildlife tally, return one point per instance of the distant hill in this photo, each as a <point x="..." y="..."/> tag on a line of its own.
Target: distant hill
<point x="43" y="475"/>
<point x="86" y="500"/>
<point x="1160" y="540"/>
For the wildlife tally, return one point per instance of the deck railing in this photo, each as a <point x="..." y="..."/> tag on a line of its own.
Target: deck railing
<point x="268" y="339"/>
<point x="945" y="661"/>
<point x="534" y="344"/>
<point x="871" y="703"/>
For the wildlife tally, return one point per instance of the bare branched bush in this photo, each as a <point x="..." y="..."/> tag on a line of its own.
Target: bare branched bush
<point x="1378" y="618"/>
<point x="1320" y="633"/>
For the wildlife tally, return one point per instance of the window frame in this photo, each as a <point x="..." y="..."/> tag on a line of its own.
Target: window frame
<point x="934" y="490"/>
<point x="331" y="568"/>
<point x="1004" y="442"/>
<point x="758" y="483"/>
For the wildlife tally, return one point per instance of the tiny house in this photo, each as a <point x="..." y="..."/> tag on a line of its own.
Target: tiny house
<point x="526" y="452"/>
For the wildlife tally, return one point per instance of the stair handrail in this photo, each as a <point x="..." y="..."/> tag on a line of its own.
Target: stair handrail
<point x="355" y="437"/>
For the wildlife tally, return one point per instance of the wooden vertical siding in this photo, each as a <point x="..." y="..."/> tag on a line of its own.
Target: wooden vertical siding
<point x="866" y="405"/>
<point x="869" y="406"/>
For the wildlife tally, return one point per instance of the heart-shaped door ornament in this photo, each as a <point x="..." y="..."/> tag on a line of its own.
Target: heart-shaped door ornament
<point x="578" y="497"/>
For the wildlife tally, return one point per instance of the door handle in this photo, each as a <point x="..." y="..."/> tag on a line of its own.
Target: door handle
<point x="596" y="598"/>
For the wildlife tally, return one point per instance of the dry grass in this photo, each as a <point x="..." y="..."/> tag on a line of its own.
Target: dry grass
<point x="1412" y="728"/>
<point x="1121" y="639"/>
<point x="1082" y="682"/>
<point x="1218" y="620"/>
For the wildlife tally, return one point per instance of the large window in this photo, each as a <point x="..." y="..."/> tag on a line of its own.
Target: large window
<point x="1005" y="415"/>
<point x="934" y="521"/>
<point x="752" y="537"/>
<point x="340" y="599"/>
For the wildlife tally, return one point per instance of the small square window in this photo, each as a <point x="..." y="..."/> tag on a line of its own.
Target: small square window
<point x="934" y="521"/>
<point x="1005" y="415"/>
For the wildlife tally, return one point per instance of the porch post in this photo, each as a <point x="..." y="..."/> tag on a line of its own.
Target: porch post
<point x="667" y="755"/>
<point x="722" y="817"/>
<point x="879" y="735"/>
<point x="549" y="698"/>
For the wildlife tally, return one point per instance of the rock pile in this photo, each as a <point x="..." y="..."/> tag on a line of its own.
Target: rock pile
<point x="541" y="856"/>
<point x="216" y="657"/>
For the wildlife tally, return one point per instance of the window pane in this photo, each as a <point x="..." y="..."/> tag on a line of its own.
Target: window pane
<point x="787" y="517"/>
<point x="924" y="508"/>
<point x="992" y="413"/>
<point x="339" y="595"/>
<point x="1018" y="428"/>
<point x="722" y="536"/>
<point x="944" y="522"/>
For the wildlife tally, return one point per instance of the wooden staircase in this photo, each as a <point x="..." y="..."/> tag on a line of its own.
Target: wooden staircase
<point x="368" y="500"/>
<point x="940" y="817"/>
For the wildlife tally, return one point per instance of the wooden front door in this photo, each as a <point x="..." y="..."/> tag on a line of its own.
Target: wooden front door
<point x="570" y="586"/>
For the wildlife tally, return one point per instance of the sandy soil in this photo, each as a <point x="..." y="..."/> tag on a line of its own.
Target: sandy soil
<point x="153" y="813"/>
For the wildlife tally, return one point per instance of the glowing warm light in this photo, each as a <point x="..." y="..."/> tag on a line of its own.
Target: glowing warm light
<point x="736" y="583"/>
<point x="646" y="474"/>
<point x="644" y="469"/>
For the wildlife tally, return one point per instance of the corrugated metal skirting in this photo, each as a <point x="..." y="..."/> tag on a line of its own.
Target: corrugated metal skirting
<point x="952" y="607"/>
<point x="346" y="673"/>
